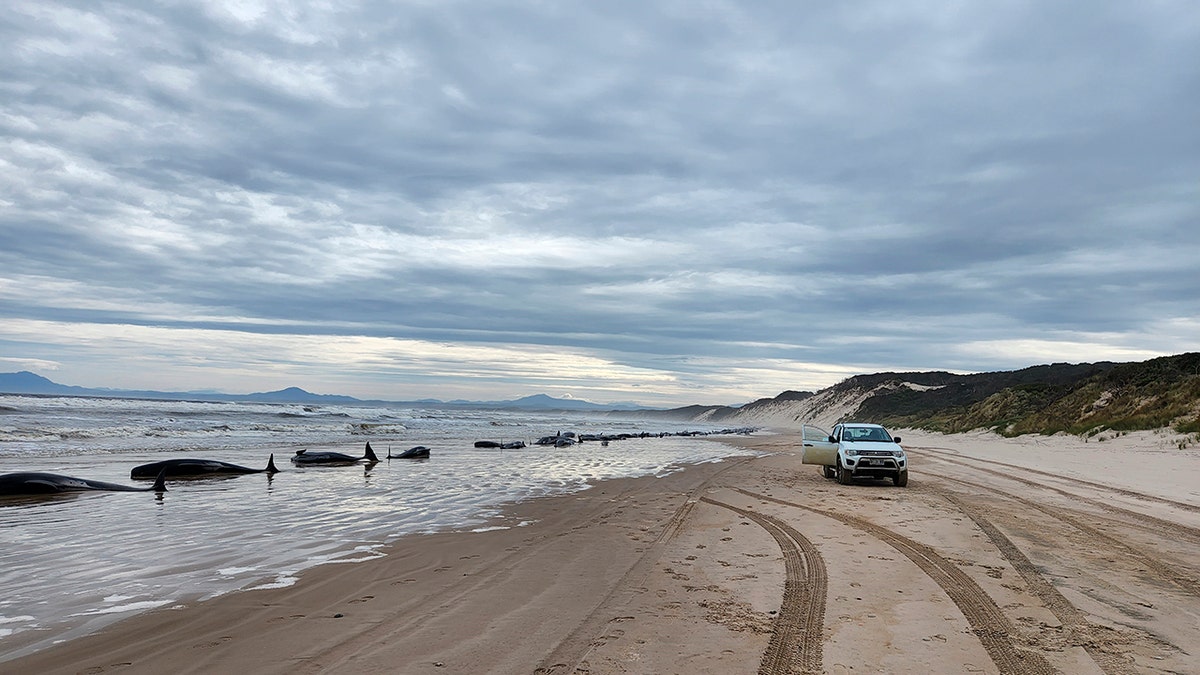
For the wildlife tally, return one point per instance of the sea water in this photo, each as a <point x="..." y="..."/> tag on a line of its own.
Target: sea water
<point x="70" y="564"/>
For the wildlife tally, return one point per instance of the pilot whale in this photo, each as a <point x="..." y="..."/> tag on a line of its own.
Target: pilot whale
<point x="193" y="468"/>
<point x="419" y="452"/>
<point x="37" y="483"/>
<point x="332" y="458"/>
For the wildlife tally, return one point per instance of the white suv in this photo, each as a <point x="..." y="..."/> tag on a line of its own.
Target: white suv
<point x="855" y="450"/>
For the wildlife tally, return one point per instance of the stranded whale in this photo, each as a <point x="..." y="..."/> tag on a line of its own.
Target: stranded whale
<point x="37" y="483"/>
<point x="334" y="458"/>
<point x="191" y="468"/>
<point x="419" y="452"/>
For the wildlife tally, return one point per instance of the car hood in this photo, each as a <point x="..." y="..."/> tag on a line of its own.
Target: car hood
<point x="871" y="445"/>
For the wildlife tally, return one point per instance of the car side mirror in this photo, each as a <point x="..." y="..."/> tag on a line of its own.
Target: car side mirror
<point x="832" y="439"/>
<point x="896" y="438"/>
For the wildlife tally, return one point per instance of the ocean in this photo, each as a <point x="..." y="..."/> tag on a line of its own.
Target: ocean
<point x="72" y="564"/>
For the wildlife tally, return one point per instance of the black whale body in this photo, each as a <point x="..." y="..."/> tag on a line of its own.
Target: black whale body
<point x="333" y="458"/>
<point x="193" y="468"/>
<point x="419" y="452"/>
<point x="28" y="483"/>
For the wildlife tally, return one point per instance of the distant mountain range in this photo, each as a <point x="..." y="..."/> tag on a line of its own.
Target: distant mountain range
<point x="26" y="382"/>
<point x="1082" y="398"/>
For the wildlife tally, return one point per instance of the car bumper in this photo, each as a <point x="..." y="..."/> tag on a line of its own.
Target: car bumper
<point x="879" y="467"/>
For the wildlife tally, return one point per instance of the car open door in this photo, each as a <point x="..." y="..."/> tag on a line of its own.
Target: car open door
<point x="817" y="448"/>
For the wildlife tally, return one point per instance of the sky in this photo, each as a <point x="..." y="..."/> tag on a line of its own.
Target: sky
<point x="666" y="203"/>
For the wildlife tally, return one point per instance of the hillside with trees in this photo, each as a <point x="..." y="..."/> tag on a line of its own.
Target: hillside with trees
<point x="1082" y="399"/>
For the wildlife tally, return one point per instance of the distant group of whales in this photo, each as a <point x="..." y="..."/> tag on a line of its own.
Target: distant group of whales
<point x="567" y="438"/>
<point x="33" y="483"/>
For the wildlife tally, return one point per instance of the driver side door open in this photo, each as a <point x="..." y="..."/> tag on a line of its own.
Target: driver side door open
<point x="817" y="448"/>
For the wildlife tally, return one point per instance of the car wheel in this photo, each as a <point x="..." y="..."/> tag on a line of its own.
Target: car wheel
<point x="901" y="479"/>
<point x="843" y="474"/>
<point x="828" y="471"/>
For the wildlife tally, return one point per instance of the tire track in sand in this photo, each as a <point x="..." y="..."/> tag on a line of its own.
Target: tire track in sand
<point x="1082" y="632"/>
<point x="1180" y="528"/>
<point x="573" y="650"/>
<point x="1163" y="570"/>
<point x="797" y="638"/>
<point x="986" y="619"/>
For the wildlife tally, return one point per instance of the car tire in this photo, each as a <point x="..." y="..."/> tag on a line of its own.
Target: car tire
<point x="901" y="478"/>
<point x="843" y="474"/>
<point x="828" y="471"/>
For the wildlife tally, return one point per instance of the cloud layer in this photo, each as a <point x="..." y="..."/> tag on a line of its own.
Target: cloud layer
<point x="666" y="202"/>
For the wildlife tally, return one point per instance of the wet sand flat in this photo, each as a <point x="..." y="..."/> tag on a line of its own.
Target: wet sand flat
<point x="1021" y="556"/>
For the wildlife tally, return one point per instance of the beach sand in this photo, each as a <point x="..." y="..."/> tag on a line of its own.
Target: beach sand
<point x="1031" y="555"/>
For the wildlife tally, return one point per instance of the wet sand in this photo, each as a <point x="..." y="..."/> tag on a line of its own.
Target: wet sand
<point x="987" y="562"/>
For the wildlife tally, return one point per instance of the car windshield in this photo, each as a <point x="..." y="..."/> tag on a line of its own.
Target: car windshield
<point x="865" y="434"/>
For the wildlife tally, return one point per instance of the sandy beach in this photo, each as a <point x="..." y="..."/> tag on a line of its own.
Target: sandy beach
<point x="1030" y="555"/>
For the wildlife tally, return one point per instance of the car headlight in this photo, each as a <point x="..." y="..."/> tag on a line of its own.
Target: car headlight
<point x="897" y="453"/>
<point x="851" y="452"/>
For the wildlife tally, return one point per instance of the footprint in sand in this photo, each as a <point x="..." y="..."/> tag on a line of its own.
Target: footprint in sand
<point x="214" y="643"/>
<point x="101" y="669"/>
<point x="363" y="599"/>
<point x="404" y="581"/>
<point x="285" y="618"/>
<point x="443" y="568"/>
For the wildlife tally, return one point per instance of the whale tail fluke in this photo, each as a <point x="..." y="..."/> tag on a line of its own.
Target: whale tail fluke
<point x="271" y="464"/>
<point x="160" y="483"/>
<point x="370" y="456"/>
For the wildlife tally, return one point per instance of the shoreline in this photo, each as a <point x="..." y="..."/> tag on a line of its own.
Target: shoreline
<point x="689" y="573"/>
<point x="326" y="600"/>
<point x="86" y="561"/>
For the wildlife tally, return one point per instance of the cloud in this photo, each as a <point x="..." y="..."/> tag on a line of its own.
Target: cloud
<point x="696" y="202"/>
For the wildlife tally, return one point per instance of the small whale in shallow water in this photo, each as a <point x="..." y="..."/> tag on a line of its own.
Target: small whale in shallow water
<point x="37" y="483"/>
<point x="332" y="458"/>
<point x="419" y="452"/>
<point x="192" y="468"/>
<point x="503" y="445"/>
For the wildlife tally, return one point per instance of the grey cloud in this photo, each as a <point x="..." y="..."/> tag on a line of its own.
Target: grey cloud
<point x="866" y="184"/>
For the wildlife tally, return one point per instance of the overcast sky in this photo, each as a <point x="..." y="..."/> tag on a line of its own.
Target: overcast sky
<point x="662" y="202"/>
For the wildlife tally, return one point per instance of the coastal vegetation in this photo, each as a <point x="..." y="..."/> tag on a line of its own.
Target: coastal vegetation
<point x="1087" y="399"/>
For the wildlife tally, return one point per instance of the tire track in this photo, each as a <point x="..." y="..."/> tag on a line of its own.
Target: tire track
<point x="987" y="621"/>
<point x="1178" y="529"/>
<point x="1081" y="631"/>
<point x="963" y="460"/>
<point x="797" y="638"/>
<point x="574" y="649"/>
<point x="1163" y="570"/>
